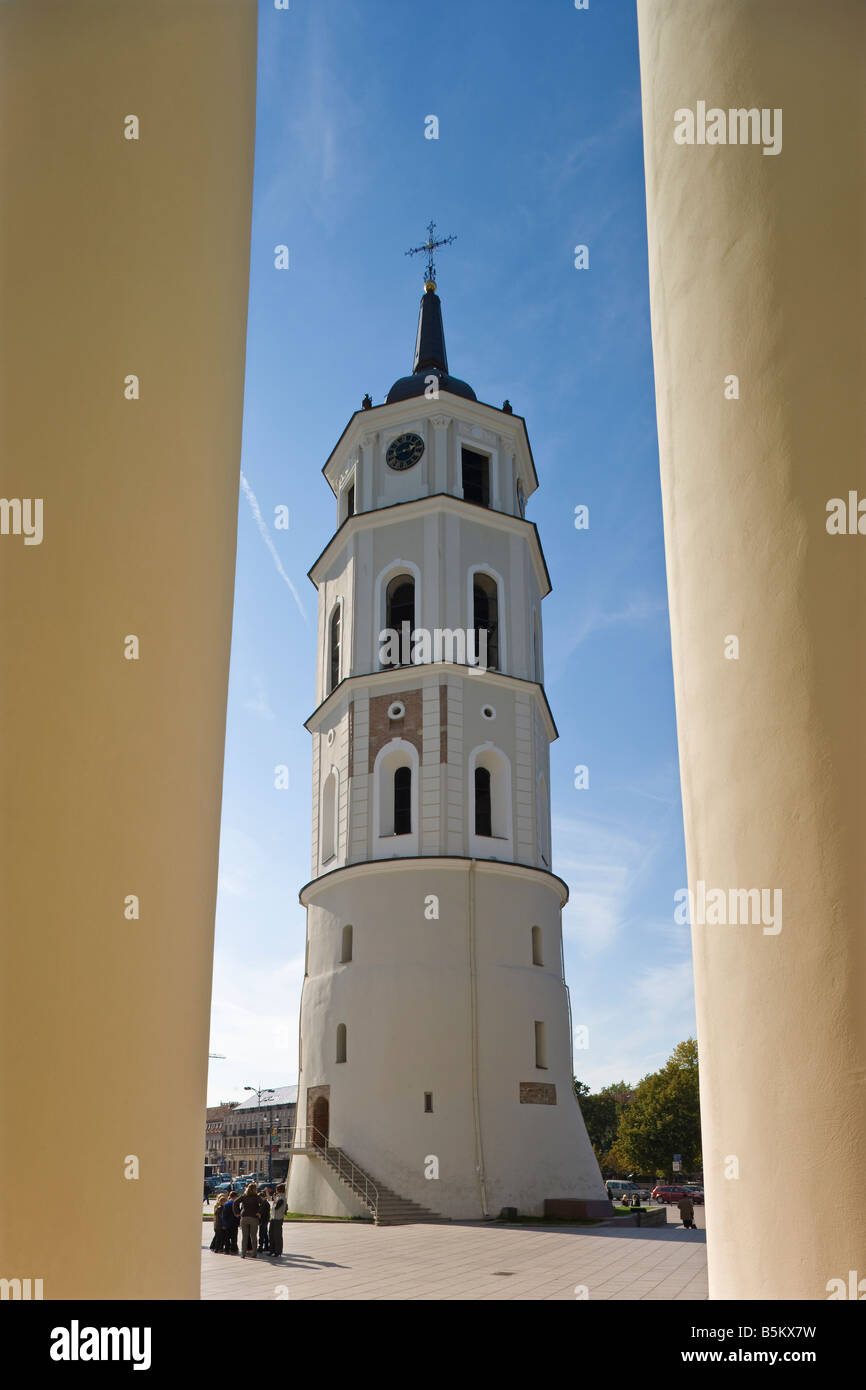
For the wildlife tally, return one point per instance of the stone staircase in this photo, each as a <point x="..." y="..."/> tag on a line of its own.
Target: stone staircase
<point x="387" y="1207"/>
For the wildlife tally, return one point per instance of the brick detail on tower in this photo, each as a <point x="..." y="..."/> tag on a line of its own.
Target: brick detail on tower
<point x="383" y="729"/>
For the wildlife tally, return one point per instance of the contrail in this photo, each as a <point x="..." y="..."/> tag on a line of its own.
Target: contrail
<point x="266" y="537"/>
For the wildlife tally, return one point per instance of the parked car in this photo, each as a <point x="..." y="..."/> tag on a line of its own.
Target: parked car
<point x="621" y="1191"/>
<point x="667" y="1194"/>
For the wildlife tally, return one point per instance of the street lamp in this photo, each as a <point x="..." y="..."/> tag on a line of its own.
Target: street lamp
<point x="260" y="1091"/>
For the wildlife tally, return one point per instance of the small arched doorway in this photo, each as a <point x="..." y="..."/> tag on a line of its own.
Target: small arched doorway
<point x="321" y="1121"/>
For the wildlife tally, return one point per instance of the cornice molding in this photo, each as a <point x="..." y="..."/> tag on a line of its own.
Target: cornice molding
<point x="424" y="863"/>
<point x="439" y="501"/>
<point x="394" y="677"/>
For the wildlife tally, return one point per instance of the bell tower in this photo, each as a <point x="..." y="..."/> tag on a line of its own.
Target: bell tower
<point x="435" y="1034"/>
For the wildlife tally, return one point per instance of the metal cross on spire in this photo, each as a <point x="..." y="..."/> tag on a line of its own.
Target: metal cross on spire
<point x="430" y="245"/>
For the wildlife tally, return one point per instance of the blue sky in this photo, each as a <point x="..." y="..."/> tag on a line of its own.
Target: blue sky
<point x="539" y="150"/>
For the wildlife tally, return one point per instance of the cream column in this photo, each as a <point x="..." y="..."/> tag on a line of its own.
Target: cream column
<point x="757" y="271"/>
<point x="127" y="134"/>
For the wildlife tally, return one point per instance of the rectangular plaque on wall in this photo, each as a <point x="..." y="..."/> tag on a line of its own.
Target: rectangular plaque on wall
<point x="537" y="1093"/>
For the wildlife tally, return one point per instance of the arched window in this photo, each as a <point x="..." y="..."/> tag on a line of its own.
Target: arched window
<point x="403" y="801"/>
<point x="485" y="616"/>
<point x="400" y="603"/>
<point x="537" y="957"/>
<point x="346" y="945"/>
<point x="536" y="664"/>
<point x="334" y="643"/>
<point x="483" y="812"/>
<point x="396" y="607"/>
<point x="490" y="811"/>
<point x="395" y="800"/>
<point x="330" y="810"/>
<point x="341" y="1042"/>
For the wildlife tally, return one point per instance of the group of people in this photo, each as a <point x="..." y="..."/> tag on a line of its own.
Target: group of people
<point x="258" y="1216"/>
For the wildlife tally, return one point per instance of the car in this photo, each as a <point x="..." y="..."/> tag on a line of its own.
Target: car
<point x="629" y="1194"/>
<point x="667" y="1194"/>
<point x="617" y="1190"/>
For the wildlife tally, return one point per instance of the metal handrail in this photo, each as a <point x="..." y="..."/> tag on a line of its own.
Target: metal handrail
<point x="309" y="1138"/>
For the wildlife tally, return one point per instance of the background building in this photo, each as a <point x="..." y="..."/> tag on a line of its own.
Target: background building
<point x="242" y="1138"/>
<point x="214" y="1135"/>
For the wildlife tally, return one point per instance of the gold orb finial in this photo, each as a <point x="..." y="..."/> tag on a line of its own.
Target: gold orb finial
<point x="430" y="286"/>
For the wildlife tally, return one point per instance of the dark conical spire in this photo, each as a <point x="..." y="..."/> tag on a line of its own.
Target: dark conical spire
<point x="430" y="339"/>
<point x="430" y="356"/>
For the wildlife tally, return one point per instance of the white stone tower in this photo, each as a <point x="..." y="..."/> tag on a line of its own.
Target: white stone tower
<point x="435" y="1038"/>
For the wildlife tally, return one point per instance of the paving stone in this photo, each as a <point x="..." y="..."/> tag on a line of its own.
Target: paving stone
<point x="358" y="1261"/>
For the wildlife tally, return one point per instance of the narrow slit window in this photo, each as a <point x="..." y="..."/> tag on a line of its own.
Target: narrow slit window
<point x="335" y="641"/>
<point x="540" y="1047"/>
<point x="485" y="614"/>
<point x="483" y="807"/>
<point x="428" y="1102"/>
<point x="537" y="956"/>
<point x="403" y="801"/>
<point x="346" y="945"/>
<point x="341" y="1042"/>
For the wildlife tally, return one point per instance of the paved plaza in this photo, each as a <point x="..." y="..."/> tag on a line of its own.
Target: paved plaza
<point x="464" y="1260"/>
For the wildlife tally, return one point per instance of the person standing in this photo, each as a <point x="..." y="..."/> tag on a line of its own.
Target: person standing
<point x="264" y="1218"/>
<point x="687" y="1211"/>
<point x="217" y="1244"/>
<point x="249" y="1206"/>
<point x="230" y="1226"/>
<point x="275" y="1227"/>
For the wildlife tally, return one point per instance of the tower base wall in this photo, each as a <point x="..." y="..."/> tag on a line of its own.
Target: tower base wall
<point x="449" y="1094"/>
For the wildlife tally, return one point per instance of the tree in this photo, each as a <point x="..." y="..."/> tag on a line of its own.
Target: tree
<point x="602" y="1113"/>
<point x="663" y="1117"/>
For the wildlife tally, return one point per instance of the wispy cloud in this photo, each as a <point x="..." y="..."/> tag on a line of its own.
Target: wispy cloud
<point x="241" y="864"/>
<point x="258" y="703"/>
<point x="324" y="127"/>
<point x="652" y="1002"/>
<point x="600" y="863"/>
<point x="590" y="151"/>
<point x="254" y="1023"/>
<point x="268" y="540"/>
<point x="638" y="609"/>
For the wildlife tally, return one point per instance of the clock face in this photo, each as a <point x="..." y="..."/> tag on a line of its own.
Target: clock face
<point x="404" y="451"/>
